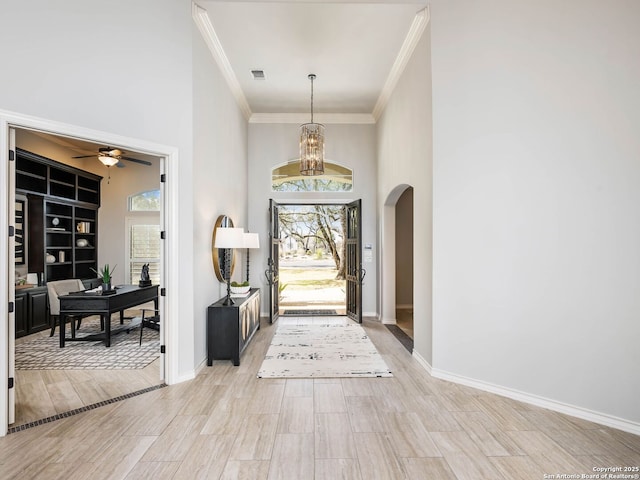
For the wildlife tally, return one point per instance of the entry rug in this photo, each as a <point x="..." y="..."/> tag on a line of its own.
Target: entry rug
<point x="44" y="353"/>
<point x="322" y="351"/>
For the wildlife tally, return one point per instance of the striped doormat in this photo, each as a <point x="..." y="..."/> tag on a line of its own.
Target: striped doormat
<point x="310" y="312"/>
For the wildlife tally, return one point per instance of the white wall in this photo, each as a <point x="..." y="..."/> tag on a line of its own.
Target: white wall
<point x="404" y="159"/>
<point x="135" y="81"/>
<point x="220" y="180"/>
<point x="349" y="145"/>
<point x="536" y="170"/>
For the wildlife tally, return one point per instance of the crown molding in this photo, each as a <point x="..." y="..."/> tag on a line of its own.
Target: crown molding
<point x="420" y="21"/>
<point x="201" y="18"/>
<point x="324" y="118"/>
<point x="418" y="25"/>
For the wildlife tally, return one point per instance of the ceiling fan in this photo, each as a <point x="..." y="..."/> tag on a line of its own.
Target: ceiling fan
<point x="110" y="156"/>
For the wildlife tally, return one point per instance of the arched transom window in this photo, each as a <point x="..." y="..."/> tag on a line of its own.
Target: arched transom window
<point x="287" y="178"/>
<point x="145" y="201"/>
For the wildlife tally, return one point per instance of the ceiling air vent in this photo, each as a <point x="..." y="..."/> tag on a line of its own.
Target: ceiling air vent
<point x="257" y="74"/>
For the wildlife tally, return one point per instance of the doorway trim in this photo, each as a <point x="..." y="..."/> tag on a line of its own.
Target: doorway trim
<point x="169" y="371"/>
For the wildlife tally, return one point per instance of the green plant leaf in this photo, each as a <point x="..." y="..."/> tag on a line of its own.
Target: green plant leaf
<point x="106" y="272"/>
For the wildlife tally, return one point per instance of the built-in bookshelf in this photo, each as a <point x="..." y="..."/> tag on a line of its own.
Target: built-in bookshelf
<point x="63" y="204"/>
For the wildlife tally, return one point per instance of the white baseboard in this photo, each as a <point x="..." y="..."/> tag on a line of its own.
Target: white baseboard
<point x="185" y="377"/>
<point x="572" y="410"/>
<point x="422" y="361"/>
<point x="371" y="314"/>
<point x="201" y="365"/>
<point x="389" y="321"/>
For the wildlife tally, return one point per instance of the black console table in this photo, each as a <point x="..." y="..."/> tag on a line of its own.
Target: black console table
<point x="230" y="328"/>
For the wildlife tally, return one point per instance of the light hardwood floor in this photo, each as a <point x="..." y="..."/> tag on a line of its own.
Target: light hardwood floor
<point x="404" y="320"/>
<point x="45" y="393"/>
<point x="228" y="424"/>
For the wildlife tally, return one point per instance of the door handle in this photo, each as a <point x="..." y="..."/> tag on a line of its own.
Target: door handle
<point x="363" y="273"/>
<point x="269" y="274"/>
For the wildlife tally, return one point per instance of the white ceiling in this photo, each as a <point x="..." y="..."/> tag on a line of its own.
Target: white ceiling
<point x="353" y="46"/>
<point x="350" y="46"/>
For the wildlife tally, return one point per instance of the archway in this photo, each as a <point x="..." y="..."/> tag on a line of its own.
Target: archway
<point x="397" y="262"/>
<point x="404" y="262"/>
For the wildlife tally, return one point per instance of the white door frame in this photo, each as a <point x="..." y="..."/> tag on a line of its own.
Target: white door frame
<point x="169" y="304"/>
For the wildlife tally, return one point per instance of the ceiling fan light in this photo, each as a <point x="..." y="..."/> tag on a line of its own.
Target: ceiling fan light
<point x="108" y="160"/>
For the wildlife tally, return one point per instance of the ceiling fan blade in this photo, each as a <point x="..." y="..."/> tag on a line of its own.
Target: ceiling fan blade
<point x="143" y="162"/>
<point x="85" y="156"/>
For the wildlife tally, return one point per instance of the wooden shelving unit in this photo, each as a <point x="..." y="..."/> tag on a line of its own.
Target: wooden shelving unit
<point x="63" y="204"/>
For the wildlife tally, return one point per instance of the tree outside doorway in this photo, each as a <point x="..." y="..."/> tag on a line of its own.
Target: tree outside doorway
<point x="312" y="258"/>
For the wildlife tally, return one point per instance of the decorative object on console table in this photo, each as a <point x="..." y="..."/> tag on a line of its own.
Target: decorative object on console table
<point x="231" y="328"/>
<point x="228" y="239"/>
<point x="106" y="274"/>
<point x="217" y="255"/>
<point x="251" y="240"/>
<point x="240" y="289"/>
<point x="145" y="280"/>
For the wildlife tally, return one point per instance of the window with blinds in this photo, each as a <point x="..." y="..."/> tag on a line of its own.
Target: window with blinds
<point x="144" y="247"/>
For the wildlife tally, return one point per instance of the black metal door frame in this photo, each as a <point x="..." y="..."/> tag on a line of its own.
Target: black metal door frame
<point x="354" y="271"/>
<point x="272" y="271"/>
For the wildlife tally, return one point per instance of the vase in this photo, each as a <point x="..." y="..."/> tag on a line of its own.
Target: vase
<point x="106" y="287"/>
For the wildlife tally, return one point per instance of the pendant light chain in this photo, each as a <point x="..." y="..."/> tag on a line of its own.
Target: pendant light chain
<point x="311" y="143"/>
<point x="312" y="76"/>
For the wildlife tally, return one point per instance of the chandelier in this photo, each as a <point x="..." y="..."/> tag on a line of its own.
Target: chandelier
<point x="311" y="144"/>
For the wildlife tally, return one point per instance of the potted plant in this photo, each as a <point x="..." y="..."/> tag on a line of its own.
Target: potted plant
<point x="106" y="274"/>
<point x="240" y="288"/>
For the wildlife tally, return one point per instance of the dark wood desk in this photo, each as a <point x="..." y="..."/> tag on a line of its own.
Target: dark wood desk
<point x="90" y="303"/>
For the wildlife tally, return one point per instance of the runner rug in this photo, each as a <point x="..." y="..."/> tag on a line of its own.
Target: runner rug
<point x="322" y="351"/>
<point x="44" y="352"/>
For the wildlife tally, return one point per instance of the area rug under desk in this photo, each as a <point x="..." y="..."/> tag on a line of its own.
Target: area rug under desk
<point x="322" y="351"/>
<point x="44" y="353"/>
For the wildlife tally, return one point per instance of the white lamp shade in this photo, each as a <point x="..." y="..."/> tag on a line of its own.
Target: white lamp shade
<point x="251" y="240"/>
<point x="108" y="160"/>
<point x="229" y="238"/>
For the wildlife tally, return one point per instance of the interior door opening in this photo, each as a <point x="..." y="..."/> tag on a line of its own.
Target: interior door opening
<point x="74" y="234"/>
<point x="404" y="261"/>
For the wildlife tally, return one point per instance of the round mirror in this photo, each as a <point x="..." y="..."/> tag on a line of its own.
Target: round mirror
<point x="217" y="254"/>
